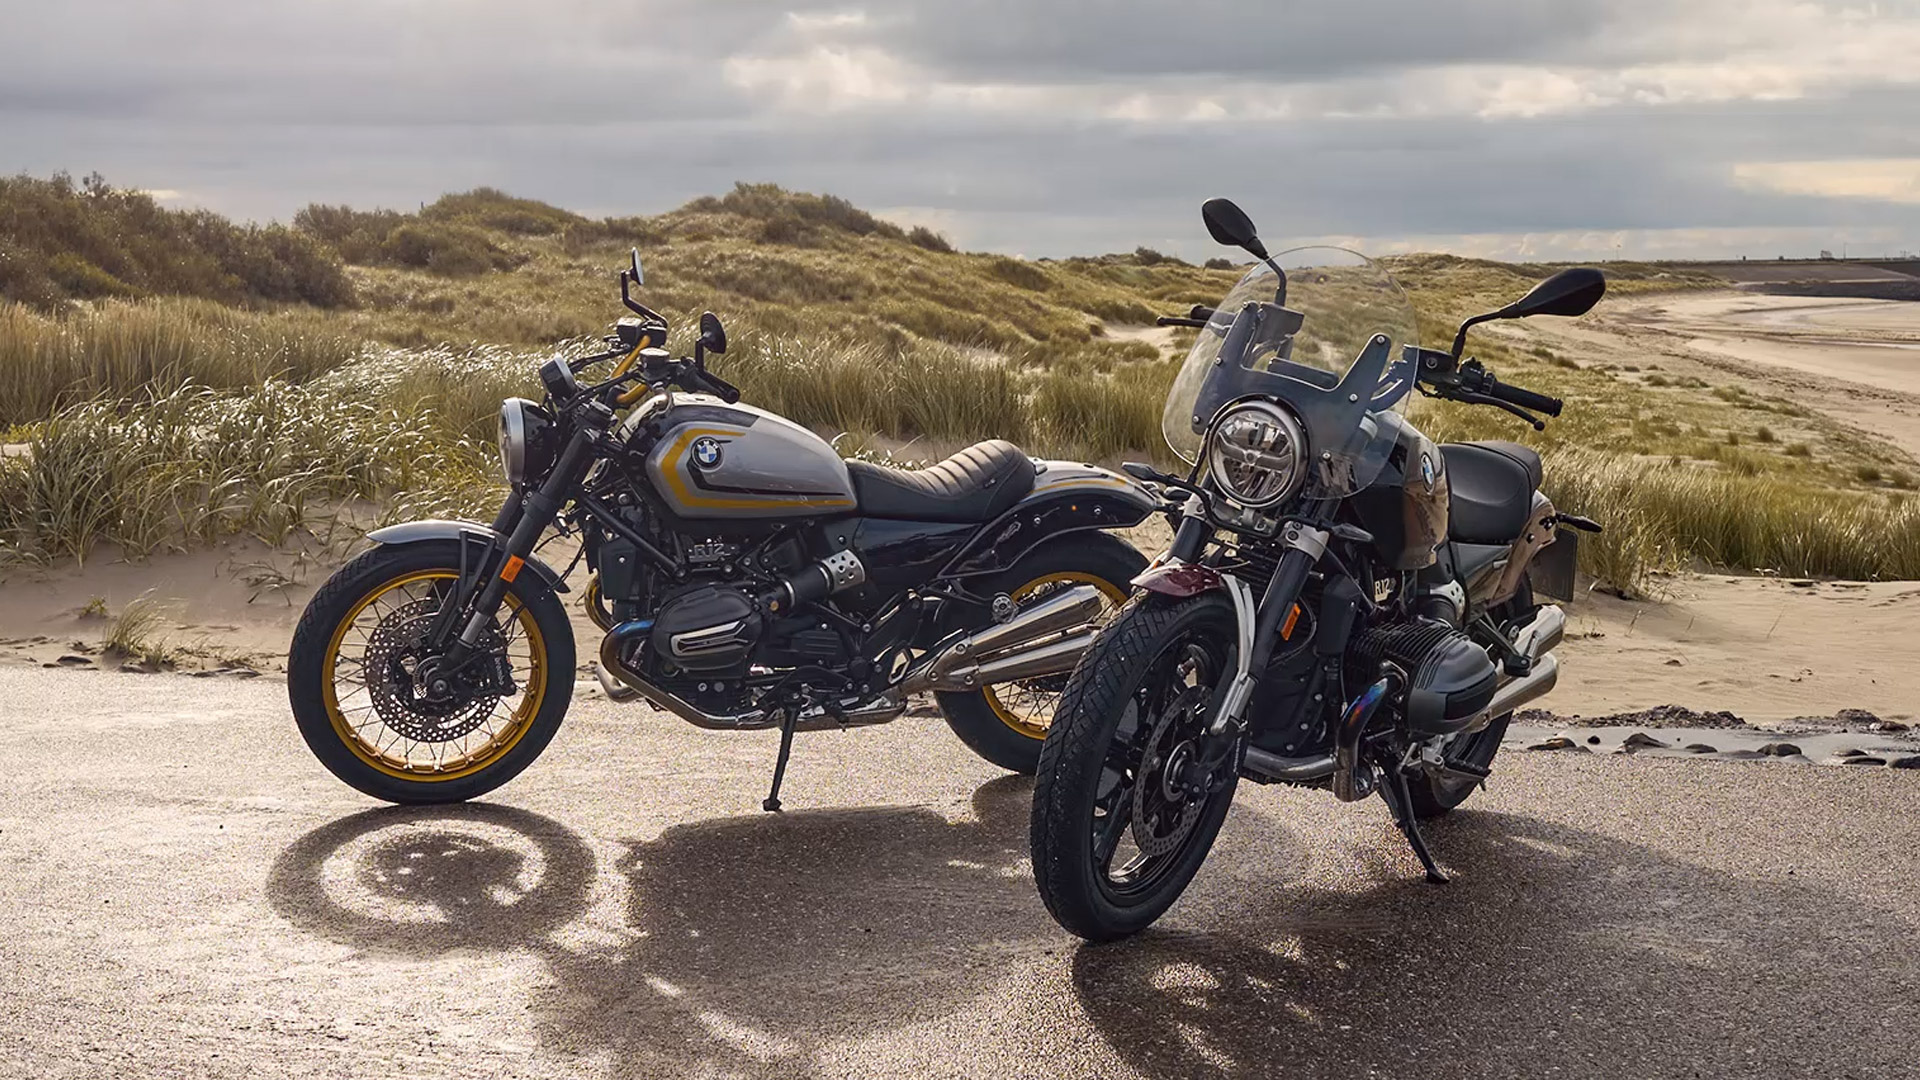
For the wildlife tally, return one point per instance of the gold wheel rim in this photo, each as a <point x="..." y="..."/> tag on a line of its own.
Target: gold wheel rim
<point x="1023" y="706"/>
<point x="360" y="729"/>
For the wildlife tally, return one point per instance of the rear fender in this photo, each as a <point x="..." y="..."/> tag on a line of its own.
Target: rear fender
<point x="424" y="532"/>
<point x="1067" y="497"/>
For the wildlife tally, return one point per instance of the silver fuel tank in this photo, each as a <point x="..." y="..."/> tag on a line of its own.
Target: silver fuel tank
<point x="733" y="462"/>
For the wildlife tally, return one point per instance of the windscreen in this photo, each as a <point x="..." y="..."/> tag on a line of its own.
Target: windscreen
<point x="1338" y="308"/>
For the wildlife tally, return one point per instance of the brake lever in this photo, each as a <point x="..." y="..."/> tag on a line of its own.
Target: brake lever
<point x="1471" y="398"/>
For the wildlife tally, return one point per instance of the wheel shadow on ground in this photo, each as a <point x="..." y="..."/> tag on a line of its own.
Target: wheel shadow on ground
<point x="749" y="944"/>
<point x="1556" y="951"/>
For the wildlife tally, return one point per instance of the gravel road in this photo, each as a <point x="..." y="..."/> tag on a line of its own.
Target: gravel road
<point x="189" y="894"/>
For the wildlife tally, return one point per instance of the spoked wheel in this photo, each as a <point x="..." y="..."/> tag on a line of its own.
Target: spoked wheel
<point x="1122" y="814"/>
<point x="379" y="706"/>
<point x="1005" y="723"/>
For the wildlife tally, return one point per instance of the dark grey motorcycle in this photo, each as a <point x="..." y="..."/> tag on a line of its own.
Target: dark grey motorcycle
<point x="1345" y="605"/>
<point x="744" y="575"/>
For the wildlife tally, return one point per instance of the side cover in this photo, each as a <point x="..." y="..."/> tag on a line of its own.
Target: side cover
<point x="718" y="461"/>
<point x="1067" y="497"/>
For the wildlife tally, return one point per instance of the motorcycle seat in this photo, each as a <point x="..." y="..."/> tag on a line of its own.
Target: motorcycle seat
<point x="975" y="485"/>
<point x="1493" y="484"/>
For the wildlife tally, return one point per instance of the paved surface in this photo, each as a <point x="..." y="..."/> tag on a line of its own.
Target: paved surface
<point x="188" y="894"/>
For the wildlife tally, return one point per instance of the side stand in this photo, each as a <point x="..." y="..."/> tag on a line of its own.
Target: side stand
<point x="1400" y="805"/>
<point x="787" y="720"/>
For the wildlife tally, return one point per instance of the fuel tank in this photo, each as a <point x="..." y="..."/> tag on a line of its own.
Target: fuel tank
<point x="1407" y="505"/>
<point x="710" y="460"/>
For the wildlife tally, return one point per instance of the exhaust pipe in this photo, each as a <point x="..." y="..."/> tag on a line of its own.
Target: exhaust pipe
<point x="1526" y="688"/>
<point x="1535" y="640"/>
<point x="990" y="656"/>
<point x="879" y="710"/>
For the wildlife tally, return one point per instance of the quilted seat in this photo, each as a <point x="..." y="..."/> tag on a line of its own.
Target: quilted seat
<point x="977" y="484"/>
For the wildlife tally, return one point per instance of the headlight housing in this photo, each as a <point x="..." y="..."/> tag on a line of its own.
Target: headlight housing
<point x="526" y="440"/>
<point x="1257" y="454"/>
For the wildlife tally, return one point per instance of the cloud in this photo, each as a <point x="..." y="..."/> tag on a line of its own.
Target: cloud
<point x="1895" y="180"/>
<point x="1043" y="127"/>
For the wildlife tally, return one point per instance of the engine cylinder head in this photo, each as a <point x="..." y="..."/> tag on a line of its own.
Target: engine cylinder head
<point x="1449" y="679"/>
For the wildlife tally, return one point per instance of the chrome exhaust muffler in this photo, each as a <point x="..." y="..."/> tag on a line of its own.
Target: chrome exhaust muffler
<point x="999" y="653"/>
<point x="1535" y="641"/>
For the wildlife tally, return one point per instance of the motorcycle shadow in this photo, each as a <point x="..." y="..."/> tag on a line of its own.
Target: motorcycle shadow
<point x="1555" y="951"/>
<point x="746" y="943"/>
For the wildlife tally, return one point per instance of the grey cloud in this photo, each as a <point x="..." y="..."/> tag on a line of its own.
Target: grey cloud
<point x="623" y="107"/>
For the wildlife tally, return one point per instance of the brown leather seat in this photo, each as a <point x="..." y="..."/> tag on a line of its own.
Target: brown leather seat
<point x="977" y="484"/>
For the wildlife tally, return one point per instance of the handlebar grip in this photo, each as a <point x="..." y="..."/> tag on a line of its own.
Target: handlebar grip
<point x="1526" y="399"/>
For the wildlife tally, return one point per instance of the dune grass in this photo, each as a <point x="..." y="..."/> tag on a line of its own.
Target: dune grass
<point x="195" y="465"/>
<point x="168" y="421"/>
<point x="121" y="349"/>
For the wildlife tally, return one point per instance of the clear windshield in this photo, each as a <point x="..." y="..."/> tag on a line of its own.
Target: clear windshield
<point x="1342" y="319"/>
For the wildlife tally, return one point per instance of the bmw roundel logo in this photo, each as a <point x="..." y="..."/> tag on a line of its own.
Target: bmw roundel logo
<point x="1426" y="470"/>
<point x="706" y="452"/>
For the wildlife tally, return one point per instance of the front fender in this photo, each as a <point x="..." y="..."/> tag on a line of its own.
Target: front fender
<point x="1067" y="497"/>
<point x="421" y="532"/>
<point x="1179" y="579"/>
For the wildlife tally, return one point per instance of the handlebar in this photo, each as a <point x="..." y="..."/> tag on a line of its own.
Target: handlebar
<point x="1196" y="318"/>
<point x="1526" y="399"/>
<point x="694" y="378"/>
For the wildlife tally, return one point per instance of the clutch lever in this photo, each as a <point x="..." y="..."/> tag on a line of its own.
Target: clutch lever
<point x="1176" y="320"/>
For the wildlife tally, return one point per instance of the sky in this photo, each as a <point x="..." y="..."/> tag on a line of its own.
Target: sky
<point x="1502" y="128"/>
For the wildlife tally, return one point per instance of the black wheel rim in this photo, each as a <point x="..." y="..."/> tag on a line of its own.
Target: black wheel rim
<point x="1141" y="827"/>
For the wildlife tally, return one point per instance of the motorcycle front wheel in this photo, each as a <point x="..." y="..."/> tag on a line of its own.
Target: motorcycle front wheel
<point x="360" y="672"/>
<point x="1116" y="837"/>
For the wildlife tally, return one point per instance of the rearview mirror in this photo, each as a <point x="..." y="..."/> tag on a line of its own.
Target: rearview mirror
<point x="633" y="267"/>
<point x="1569" y="292"/>
<point x="1573" y="291"/>
<point x="713" y="336"/>
<point x="1230" y="225"/>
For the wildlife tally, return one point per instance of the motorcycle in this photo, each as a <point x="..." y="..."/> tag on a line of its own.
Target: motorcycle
<point x="744" y="576"/>
<point x="1345" y="605"/>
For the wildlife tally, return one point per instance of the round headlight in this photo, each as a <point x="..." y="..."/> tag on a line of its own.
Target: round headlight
<point x="1257" y="454"/>
<point x="513" y="439"/>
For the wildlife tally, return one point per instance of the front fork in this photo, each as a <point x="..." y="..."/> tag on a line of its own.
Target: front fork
<point x="522" y="520"/>
<point x="1258" y="627"/>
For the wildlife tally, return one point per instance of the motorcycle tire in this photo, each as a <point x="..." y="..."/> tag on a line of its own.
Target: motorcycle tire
<point x="1006" y="724"/>
<point x="349" y="682"/>
<point x="1079" y="768"/>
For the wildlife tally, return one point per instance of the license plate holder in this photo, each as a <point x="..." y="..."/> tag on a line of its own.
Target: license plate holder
<point x="1552" y="570"/>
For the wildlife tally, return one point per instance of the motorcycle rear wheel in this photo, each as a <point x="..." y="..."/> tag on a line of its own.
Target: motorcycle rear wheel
<point x="1131" y="708"/>
<point x="1006" y="723"/>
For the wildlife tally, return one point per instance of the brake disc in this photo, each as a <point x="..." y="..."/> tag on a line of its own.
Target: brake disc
<point x="1162" y="817"/>
<point x="397" y="673"/>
